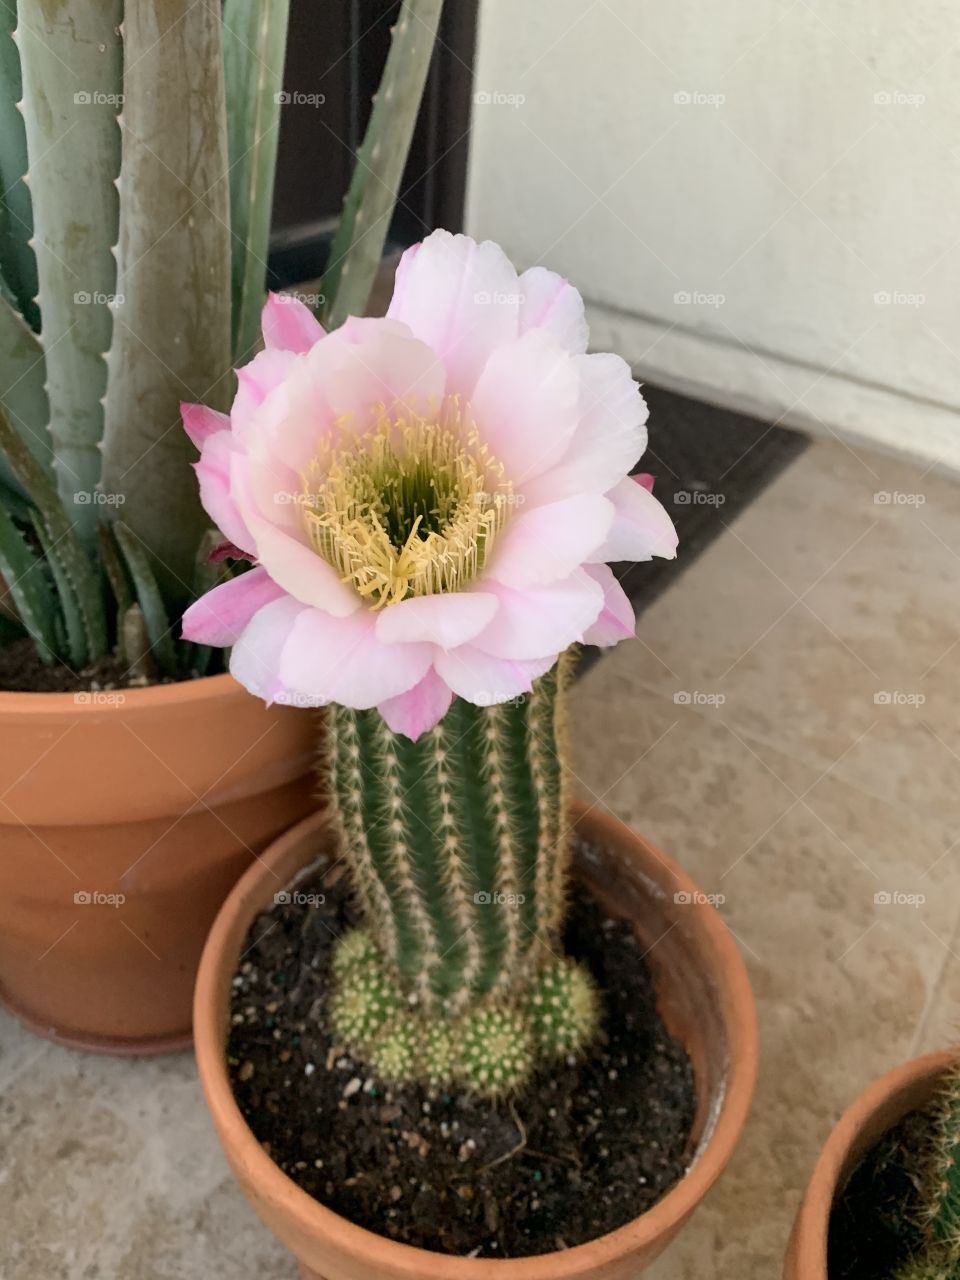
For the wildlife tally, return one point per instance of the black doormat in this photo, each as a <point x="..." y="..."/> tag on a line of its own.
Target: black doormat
<point x="708" y="464"/>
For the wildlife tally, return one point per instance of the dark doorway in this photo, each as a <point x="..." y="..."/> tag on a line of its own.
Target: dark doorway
<point x="335" y="55"/>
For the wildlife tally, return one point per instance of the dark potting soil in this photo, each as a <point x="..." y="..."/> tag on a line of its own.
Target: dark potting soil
<point x="21" y="671"/>
<point x="873" y="1224"/>
<point x="582" y="1150"/>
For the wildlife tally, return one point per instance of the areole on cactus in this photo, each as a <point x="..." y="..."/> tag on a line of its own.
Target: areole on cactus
<point x="431" y="500"/>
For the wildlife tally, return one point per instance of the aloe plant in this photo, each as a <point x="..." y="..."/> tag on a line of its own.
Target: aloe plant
<point x="137" y="152"/>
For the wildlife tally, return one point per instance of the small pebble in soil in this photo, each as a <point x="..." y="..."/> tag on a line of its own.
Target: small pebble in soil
<point x="583" y="1149"/>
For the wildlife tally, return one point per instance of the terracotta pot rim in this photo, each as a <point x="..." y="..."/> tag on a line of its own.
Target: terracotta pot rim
<point x="807" y="1254"/>
<point x="714" y="1151"/>
<point x="37" y="702"/>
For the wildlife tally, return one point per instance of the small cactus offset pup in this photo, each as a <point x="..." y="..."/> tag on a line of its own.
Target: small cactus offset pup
<point x="430" y="501"/>
<point x="137" y="151"/>
<point x="938" y="1182"/>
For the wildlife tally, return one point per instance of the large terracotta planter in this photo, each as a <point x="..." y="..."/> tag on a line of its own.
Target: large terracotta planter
<point x="881" y="1105"/>
<point x="125" y="818"/>
<point x="704" y="996"/>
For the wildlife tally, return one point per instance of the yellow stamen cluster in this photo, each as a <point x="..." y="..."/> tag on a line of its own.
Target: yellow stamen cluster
<point x="409" y="507"/>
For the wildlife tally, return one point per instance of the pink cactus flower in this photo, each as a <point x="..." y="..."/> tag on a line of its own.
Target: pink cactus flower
<point x="430" y="499"/>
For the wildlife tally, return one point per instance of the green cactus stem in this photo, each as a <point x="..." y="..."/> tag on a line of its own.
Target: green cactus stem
<point x="459" y="851"/>
<point x="457" y="842"/>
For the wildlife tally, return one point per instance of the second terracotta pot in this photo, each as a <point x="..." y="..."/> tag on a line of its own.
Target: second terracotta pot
<point x="881" y="1105"/>
<point x="125" y="819"/>
<point x="703" y="996"/>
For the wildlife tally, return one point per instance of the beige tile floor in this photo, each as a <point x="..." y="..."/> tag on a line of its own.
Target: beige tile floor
<point x="802" y="777"/>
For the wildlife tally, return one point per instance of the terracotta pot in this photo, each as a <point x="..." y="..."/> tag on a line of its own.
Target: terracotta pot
<point x="881" y="1105"/>
<point x="125" y="818"/>
<point x="704" y="997"/>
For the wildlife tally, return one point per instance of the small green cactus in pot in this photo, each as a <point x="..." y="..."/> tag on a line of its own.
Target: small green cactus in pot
<point x="938" y="1181"/>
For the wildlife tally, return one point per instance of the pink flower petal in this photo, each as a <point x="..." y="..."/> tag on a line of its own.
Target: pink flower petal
<point x="610" y="434"/>
<point x="342" y="380"/>
<point x="540" y="620"/>
<point x="214" y="473"/>
<point x="617" y="621"/>
<point x="341" y="660"/>
<point x="486" y="681"/>
<point x="641" y="527"/>
<point x="547" y="301"/>
<point x="220" y="616"/>
<point x="461" y="298"/>
<point x="288" y="324"/>
<point x="200" y="423"/>
<point x="255" y="658"/>
<point x="539" y="546"/>
<point x="372" y="362"/>
<point x="525" y="405"/>
<point x="645" y="479"/>
<point x="299" y="570"/>
<point x="446" y="620"/>
<point x="419" y="709"/>
<point x="255" y="381"/>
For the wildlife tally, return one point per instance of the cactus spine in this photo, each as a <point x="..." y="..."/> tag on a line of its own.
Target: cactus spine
<point x="459" y="852"/>
<point x="939" y="1180"/>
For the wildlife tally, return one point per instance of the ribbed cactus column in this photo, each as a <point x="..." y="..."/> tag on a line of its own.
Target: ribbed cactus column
<point x="457" y="842"/>
<point x="459" y="849"/>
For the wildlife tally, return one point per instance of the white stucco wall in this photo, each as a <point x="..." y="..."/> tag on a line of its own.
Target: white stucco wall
<point x="791" y="168"/>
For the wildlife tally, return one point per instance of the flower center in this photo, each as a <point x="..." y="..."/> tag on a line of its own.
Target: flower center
<point x="411" y="507"/>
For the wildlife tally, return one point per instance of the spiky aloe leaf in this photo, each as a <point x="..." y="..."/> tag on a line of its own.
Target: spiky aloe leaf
<point x="23" y="574"/>
<point x="18" y="265"/>
<point x="83" y="577"/>
<point x="71" y="62"/>
<point x="77" y="650"/>
<point x="358" y="245"/>
<point x="22" y="392"/>
<point x="171" y="338"/>
<point x="148" y="597"/>
<point x="254" y="43"/>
